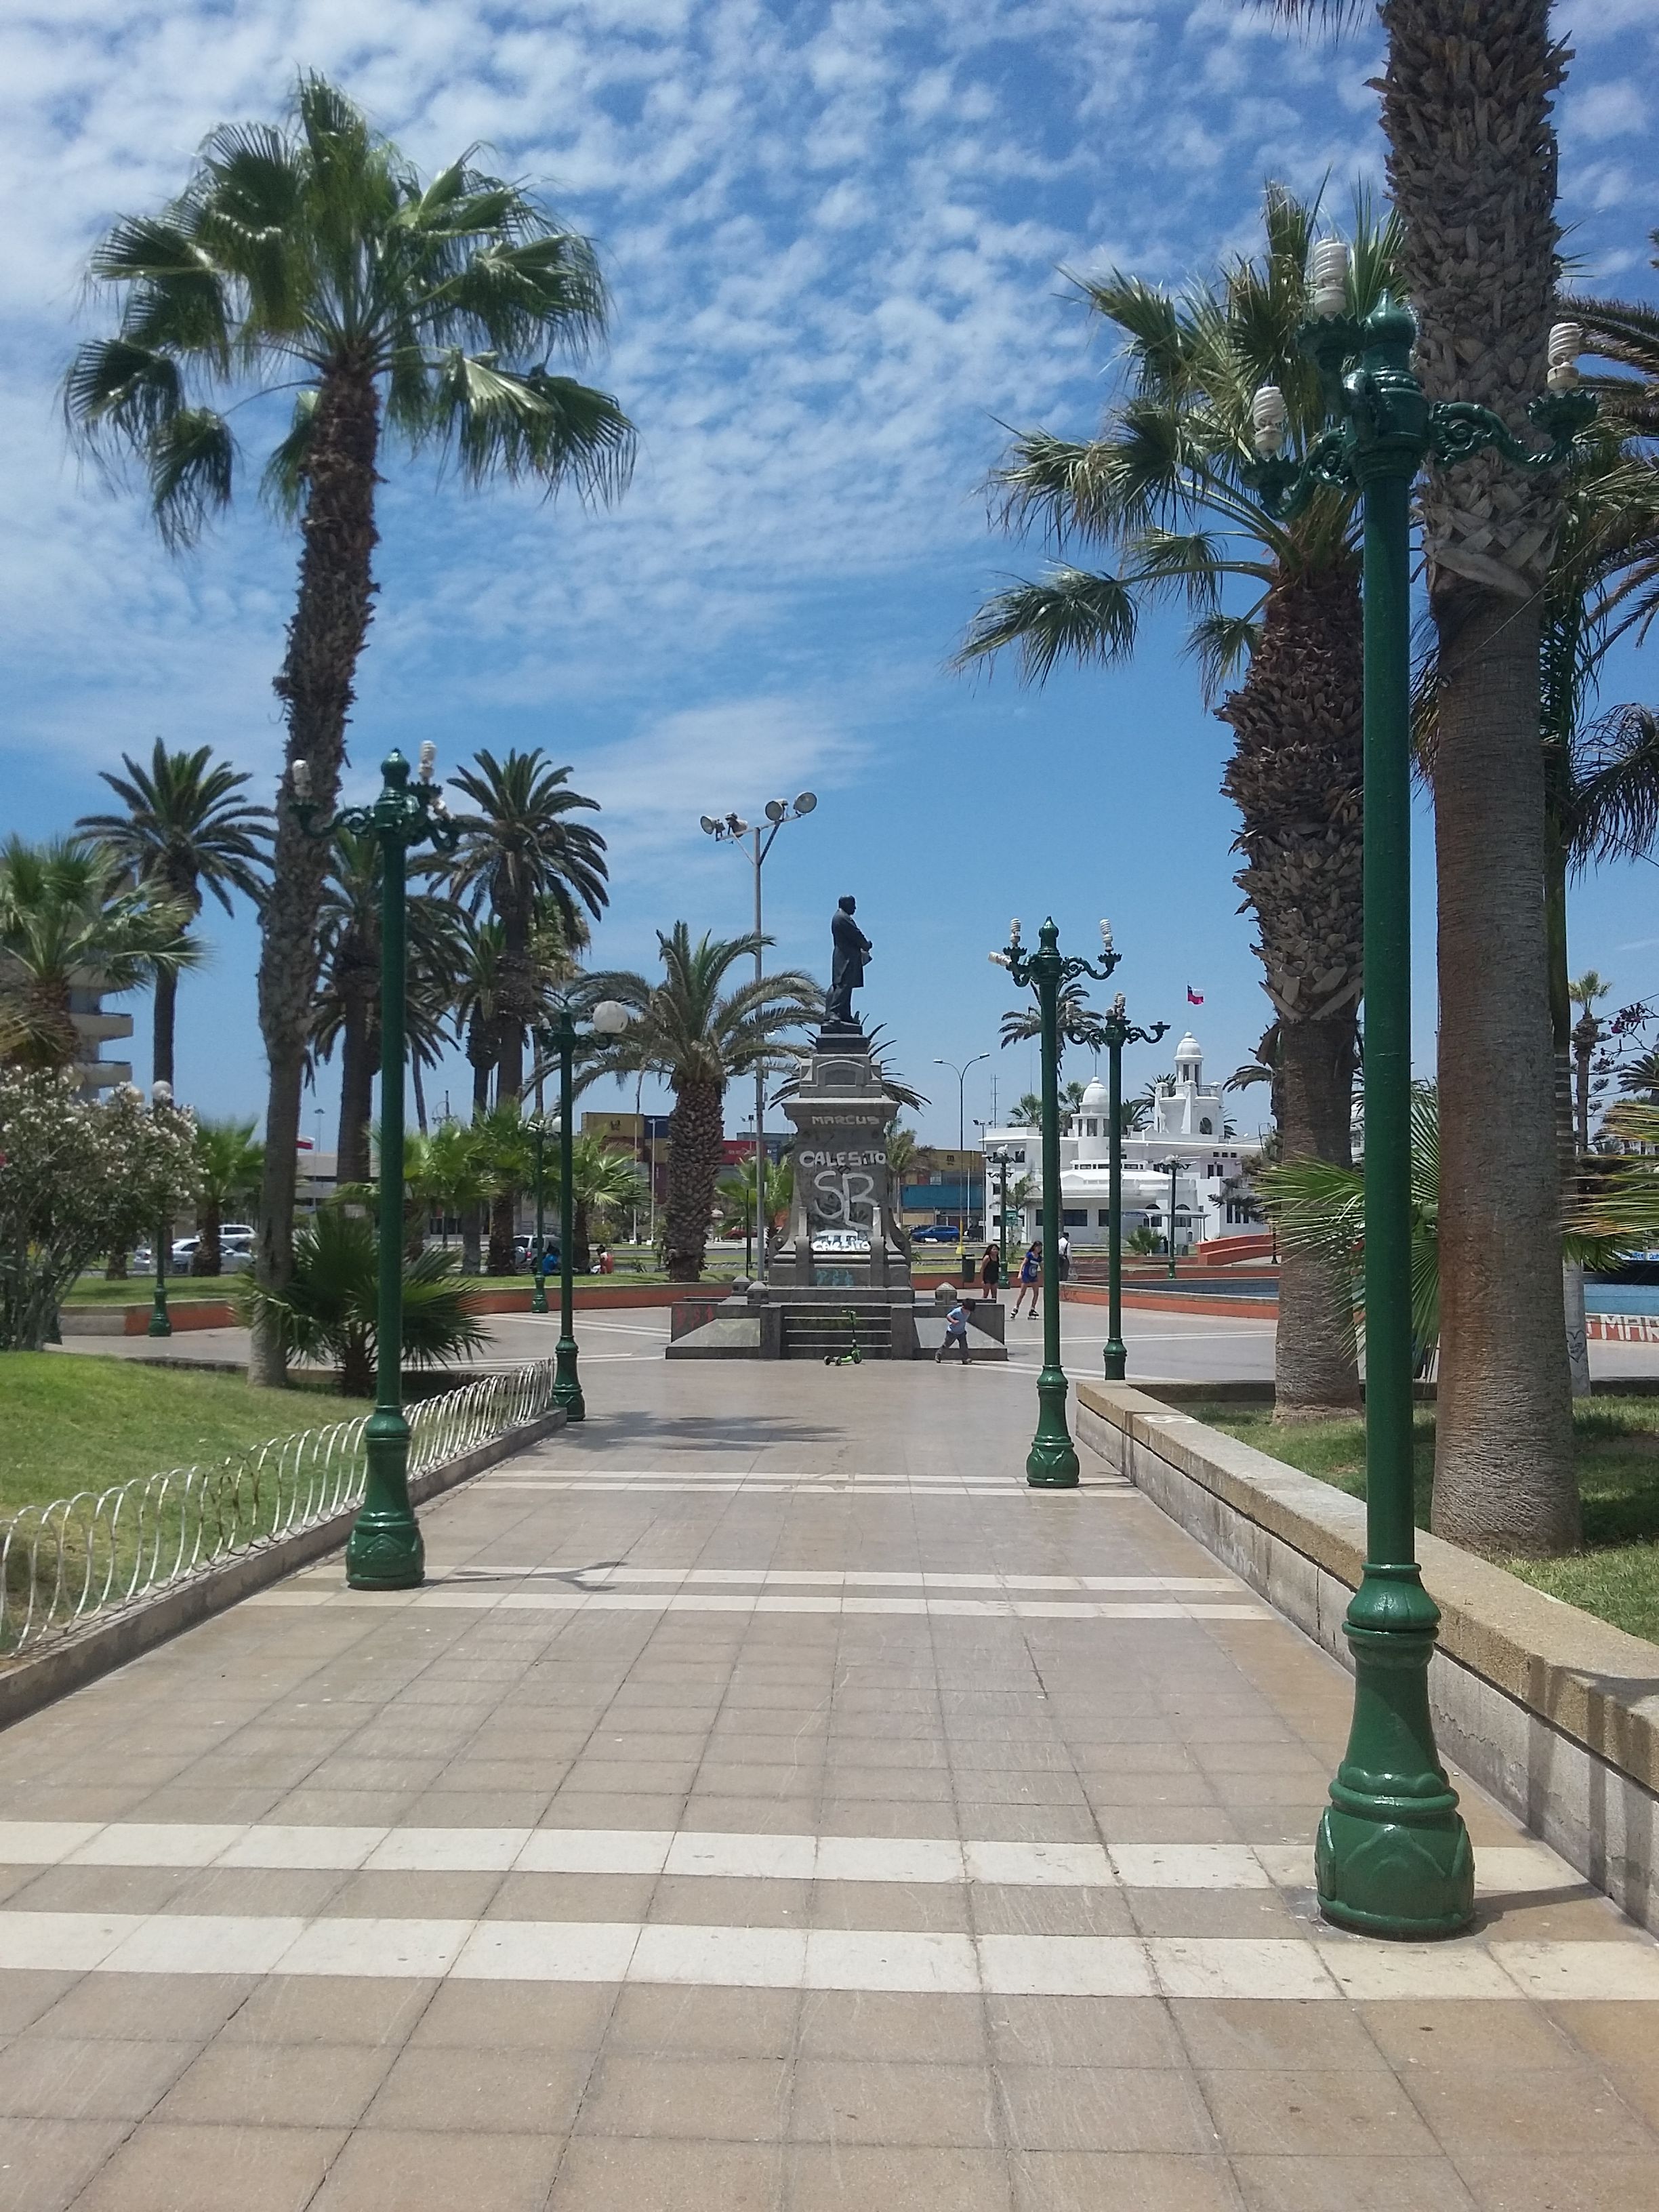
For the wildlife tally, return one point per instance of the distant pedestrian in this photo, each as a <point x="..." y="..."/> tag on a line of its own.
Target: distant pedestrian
<point x="1063" y="1257"/>
<point x="1030" y="1279"/>
<point x="990" y="1272"/>
<point x="955" y="1332"/>
<point x="607" y="1264"/>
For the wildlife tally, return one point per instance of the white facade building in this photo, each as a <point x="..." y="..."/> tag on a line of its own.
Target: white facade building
<point x="1186" y="1126"/>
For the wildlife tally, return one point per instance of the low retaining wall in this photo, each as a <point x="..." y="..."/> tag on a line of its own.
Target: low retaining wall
<point x="1137" y="1300"/>
<point x="1552" y="1710"/>
<point x="81" y="1658"/>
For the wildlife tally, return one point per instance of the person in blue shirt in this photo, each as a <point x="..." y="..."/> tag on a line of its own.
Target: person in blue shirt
<point x="955" y="1332"/>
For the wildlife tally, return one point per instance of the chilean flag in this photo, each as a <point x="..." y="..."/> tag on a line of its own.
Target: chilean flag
<point x="1193" y="998"/>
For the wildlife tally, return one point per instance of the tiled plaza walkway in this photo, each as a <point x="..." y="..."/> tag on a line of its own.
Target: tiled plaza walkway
<point x="770" y="1804"/>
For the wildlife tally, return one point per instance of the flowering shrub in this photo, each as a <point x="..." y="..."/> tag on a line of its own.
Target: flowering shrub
<point x="78" y="1177"/>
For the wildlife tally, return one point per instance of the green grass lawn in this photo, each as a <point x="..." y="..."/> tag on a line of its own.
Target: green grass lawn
<point x="82" y="1423"/>
<point x="1616" y="1574"/>
<point x="139" y="1290"/>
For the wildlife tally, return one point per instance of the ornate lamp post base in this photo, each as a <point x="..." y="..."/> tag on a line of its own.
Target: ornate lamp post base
<point x="1393" y="1857"/>
<point x="385" y="1551"/>
<point x="1116" y="1356"/>
<point x="1052" y="1462"/>
<point x="567" y="1383"/>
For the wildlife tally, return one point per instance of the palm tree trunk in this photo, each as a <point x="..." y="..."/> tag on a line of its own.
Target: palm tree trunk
<point x="165" y="1012"/>
<point x="419" y="1088"/>
<point x="209" y="1251"/>
<point x="1503" y="1465"/>
<point x="501" y="1213"/>
<point x="354" y="1163"/>
<point x="695" y="1131"/>
<point x="1572" y="1276"/>
<point x="1295" y="776"/>
<point x="517" y="1002"/>
<point x="1583" y="1052"/>
<point x="330" y="621"/>
<point x="472" y="1215"/>
<point x="1316" y="1366"/>
<point x="1466" y="101"/>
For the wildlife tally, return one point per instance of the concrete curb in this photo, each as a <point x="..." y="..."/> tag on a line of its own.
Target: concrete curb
<point x="1555" y="1712"/>
<point x="80" y="1659"/>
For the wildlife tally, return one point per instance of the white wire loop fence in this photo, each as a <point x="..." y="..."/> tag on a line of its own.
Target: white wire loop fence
<point x="94" y="1553"/>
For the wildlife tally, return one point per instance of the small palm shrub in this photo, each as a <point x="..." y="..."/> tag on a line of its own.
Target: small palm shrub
<point x="328" y="1308"/>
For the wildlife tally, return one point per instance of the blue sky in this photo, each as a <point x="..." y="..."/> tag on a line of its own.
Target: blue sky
<point x="834" y="234"/>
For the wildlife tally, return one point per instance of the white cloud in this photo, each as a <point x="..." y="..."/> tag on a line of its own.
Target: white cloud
<point x="1606" y="111"/>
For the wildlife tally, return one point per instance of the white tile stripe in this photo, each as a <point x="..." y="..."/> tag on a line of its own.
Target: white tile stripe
<point x="587" y="1577"/>
<point x="864" y="1486"/>
<point x="1328" y="1966"/>
<point x="1501" y="1870"/>
<point x="476" y="1599"/>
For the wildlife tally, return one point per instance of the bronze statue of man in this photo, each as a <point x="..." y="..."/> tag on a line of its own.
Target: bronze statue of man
<point x="851" y="950"/>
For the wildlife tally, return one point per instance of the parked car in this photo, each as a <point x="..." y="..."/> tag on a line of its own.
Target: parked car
<point x="940" y="1233"/>
<point x="235" y="1251"/>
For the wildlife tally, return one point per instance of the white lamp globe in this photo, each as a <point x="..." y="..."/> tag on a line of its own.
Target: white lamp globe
<point x="612" y="1018"/>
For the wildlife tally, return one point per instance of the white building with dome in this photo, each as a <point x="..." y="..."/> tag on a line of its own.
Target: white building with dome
<point x="1188" y="1125"/>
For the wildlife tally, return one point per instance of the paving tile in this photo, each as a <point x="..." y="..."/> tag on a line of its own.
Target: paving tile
<point x="142" y="2008"/>
<point x="555" y="2016"/>
<point x="53" y="2078"/>
<point x="831" y="2176"/>
<point x="388" y="2170"/>
<point x="673" y="2022"/>
<point x="163" y="2168"/>
<point x="45" y="2164"/>
<point x="1586" y="2183"/>
<point x="1486" y="2114"/>
<point x="1371" y="2184"/>
<point x="1122" y="2181"/>
<point x="1101" y="2108"/>
<point x="318" y="2085"/>
<point x="717" y="2099"/>
<point x="1069" y="2030"/>
<point x="891" y="2026"/>
<point x="332" y="2009"/>
<point x="839" y="2100"/>
<point x="1307" y="2113"/>
<point x="612" y="2174"/>
<point x="528" y="2090"/>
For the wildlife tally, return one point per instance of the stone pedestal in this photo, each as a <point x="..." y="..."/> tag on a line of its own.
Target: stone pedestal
<point x="842" y="1112"/>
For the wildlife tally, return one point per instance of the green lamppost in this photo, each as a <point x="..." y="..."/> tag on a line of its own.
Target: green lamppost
<point x="161" y="1322"/>
<point x="538" y="1278"/>
<point x="1393" y="1857"/>
<point x="1052" y="1462"/>
<point x="385" y="1551"/>
<point x="609" y="1018"/>
<point x="1172" y="1169"/>
<point x="1118" y="1031"/>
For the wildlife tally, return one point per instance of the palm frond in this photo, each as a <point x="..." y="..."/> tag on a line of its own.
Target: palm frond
<point x="1069" y="614"/>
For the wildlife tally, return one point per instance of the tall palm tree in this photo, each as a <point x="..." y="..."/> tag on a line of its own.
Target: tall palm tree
<point x="1466" y="99"/>
<point x="698" y="1036"/>
<point x="1166" y="488"/>
<point x="70" y="918"/>
<point x="312" y="255"/>
<point x="187" y="831"/>
<point x="523" y="856"/>
<point x="1585" y="992"/>
<point x="230" y="1161"/>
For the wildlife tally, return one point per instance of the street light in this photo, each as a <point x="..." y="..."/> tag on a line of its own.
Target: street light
<point x="539" y="1276"/>
<point x="161" y="1322"/>
<point x="1119" y="1032"/>
<point x="1172" y="1169"/>
<point x="960" y="1074"/>
<point x="385" y="1551"/>
<point x="1052" y="1462"/>
<point x="731" y="830"/>
<point x="1393" y="1857"/>
<point x="609" y="1018"/>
